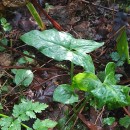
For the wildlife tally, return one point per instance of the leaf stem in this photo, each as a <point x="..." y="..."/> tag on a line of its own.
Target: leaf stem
<point x="25" y="126"/>
<point x="2" y="115"/>
<point x="72" y="71"/>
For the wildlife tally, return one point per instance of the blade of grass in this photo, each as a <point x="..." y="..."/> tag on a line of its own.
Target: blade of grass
<point x="36" y="16"/>
<point x="122" y="45"/>
<point x="54" y="23"/>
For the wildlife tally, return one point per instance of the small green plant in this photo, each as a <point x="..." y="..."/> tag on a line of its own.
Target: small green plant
<point x="62" y="46"/>
<point x="5" y="25"/>
<point x="108" y="120"/>
<point x="23" y="77"/>
<point x="25" y="111"/>
<point x="99" y="93"/>
<point x="106" y="93"/>
<point x="4" y="41"/>
<point x="48" y="7"/>
<point x="119" y="60"/>
<point x="125" y="121"/>
<point x="26" y="60"/>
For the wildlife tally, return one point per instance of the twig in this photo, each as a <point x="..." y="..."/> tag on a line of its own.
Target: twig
<point x="24" y="79"/>
<point x="78" y="109"/>
<point x="87" y="2"/>
<point x="99" y="114"/>
<point x="100" y="6"/>
<point x="51" y="79"/>
<point x="14" y="50"/>
<point x="77" y="117"/>
<point x="31" y="68"/>
<point x="127" y="112"/>
<point x="89" y="124"/>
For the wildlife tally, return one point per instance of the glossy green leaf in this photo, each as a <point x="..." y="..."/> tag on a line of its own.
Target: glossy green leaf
<point x="110" y="79"/>
<point x="110" y="67"/>
<point x="86" y="81"/>
<point x="23" y="77"/>
<point x="122" y="45"/>
<point x="113" y="96"/>
<point x="62" y="46"/>
<point x="125" y="121"/>
<point x="5" y="25"/>
<point x="101" y="75"/>
<point x="108" y="121"/>
<point x="65" y="94"/>
<point x="110" y="74"/>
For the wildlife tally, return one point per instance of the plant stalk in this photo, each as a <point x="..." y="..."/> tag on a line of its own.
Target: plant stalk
<point x="72" y="71"/>
<point x="2" y="115"/>
<point x="76" y="111"/>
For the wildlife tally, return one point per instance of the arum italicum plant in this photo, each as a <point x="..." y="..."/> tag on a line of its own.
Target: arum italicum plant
<point x="106" y="93"/>
<point x="63" y="46"/>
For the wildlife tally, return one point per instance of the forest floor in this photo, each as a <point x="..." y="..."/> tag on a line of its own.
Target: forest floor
<point x="93" y="20"/>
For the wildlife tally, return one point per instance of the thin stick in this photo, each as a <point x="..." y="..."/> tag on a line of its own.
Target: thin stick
<point x="99" y="114"/>
<point x="31" y="68"/>
<point x="87" y="2"/>
<point x="14" y="50"/>
<point x="127" y="112"/>
<point x="77" y="117"/>
<point x="72" y="71"/>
